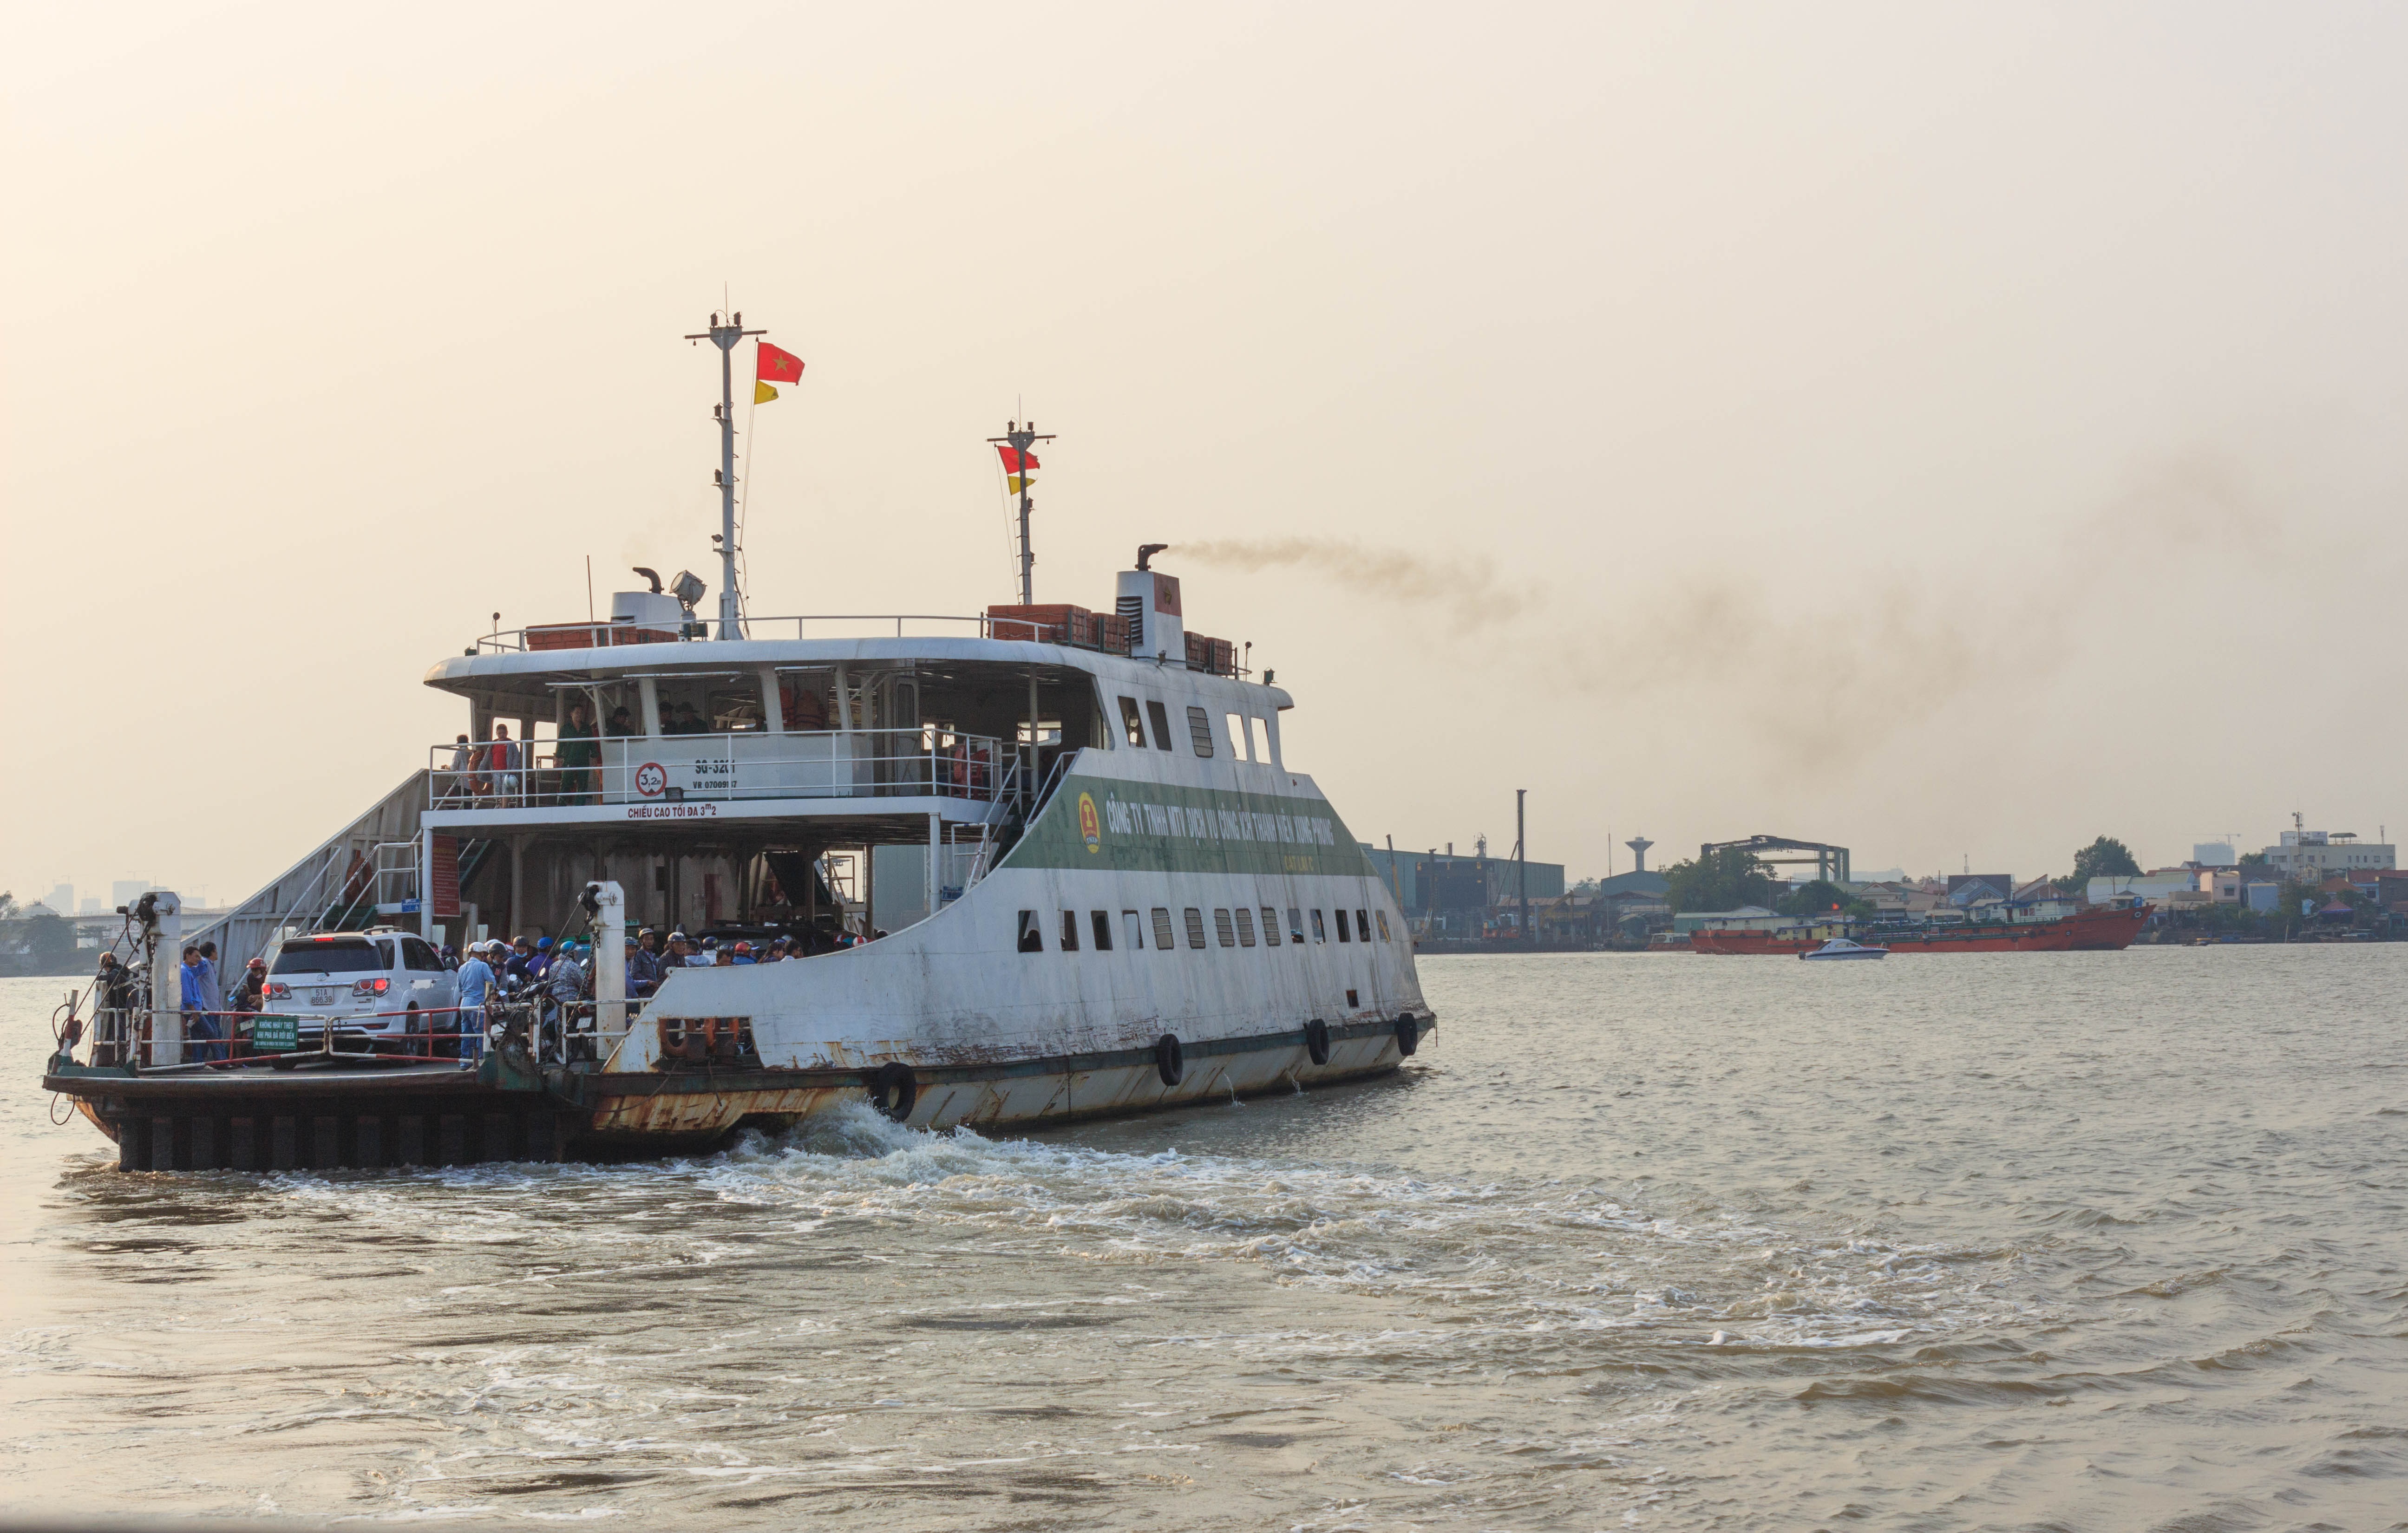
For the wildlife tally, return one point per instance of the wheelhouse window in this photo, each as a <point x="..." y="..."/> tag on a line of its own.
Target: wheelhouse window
<point x="1238" y="742"/>
<point x="1363" y="925"/>
<point x="1070" y="931"/>
<point x="1341" y="924"/>
<point x="1103" y="926"/>
<point x="1221" y="926"/>
<point x="1245" y="928"/>
<point x="1195" y="927"/>
<point x="1199" y="729"/>
<point x="1161" y="723"/>
<point x="1032" y="936"/>
<point x="1163" y="940"/>
<point x="1132" y="723"/>
<point x="1270" y="926"/>
<point x="1320" y="933"/>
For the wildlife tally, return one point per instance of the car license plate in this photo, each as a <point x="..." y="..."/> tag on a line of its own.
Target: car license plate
<point x="322" y="997"/>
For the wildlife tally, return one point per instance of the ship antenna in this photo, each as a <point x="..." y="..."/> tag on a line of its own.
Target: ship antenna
<point x="724" y="337"/>
<point x="1021" y="435"/>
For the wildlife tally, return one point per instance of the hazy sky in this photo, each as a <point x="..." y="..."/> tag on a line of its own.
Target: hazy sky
<point x="1949" y="431"/>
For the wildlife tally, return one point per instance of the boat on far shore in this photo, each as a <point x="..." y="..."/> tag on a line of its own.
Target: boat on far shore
<point x="1840" y="947"/>
<point x="2099" y="928"/>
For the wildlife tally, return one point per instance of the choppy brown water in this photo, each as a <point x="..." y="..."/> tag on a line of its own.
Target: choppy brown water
<point x="2079" y="1242"/>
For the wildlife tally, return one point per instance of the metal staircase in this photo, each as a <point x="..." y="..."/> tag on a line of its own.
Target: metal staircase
<point x="337" y="886"/>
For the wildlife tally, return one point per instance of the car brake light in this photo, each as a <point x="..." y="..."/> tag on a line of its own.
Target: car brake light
<point x="369" y="987"/>
<point x="278" y="990"/>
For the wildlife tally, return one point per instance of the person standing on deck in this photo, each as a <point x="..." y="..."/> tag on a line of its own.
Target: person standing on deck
<point x="643" y="964"/>
<point x="579" y="754"/>
<point x="210" y="985"/>
<point x="468" y="1022"/>
<point x="502" y="763"/>
<point x="193" y="1000"/>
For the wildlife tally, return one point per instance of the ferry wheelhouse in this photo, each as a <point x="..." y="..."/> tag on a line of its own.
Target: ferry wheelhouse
<point x="1049" y="863"/>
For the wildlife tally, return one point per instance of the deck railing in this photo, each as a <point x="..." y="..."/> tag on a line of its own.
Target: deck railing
<point x="595" y="635"/>
<point x="669" y="771"/>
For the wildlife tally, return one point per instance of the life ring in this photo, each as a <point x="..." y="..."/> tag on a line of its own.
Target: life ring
<point x="894" y="1089"/>
<point x="1170" y="1060"/>
<point x="1317" y="1040"/>
<point x="1408" y="1034"/>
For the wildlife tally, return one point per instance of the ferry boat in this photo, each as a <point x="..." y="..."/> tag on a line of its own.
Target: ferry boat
<point x="1057" y="855"/>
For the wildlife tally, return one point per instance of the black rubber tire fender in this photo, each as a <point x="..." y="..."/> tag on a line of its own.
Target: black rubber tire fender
<point x="893" y="1090"/>
<point x="1408" y="1034"/>
<point x="1170" y="1060"/>
<point x="1316" y="1041"/>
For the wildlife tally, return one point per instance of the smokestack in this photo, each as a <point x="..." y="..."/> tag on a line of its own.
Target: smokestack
<point x="1149" y="601"/>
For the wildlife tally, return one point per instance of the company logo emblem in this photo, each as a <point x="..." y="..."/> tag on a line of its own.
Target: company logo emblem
<point x="1089" y="827"/>
<point x="650" y="777"/>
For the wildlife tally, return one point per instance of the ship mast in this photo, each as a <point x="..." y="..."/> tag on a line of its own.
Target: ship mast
<point x="1022" y="435"/>
<point x="724" y="337"/>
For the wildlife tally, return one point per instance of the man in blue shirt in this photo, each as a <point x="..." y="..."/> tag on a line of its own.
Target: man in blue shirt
<point x="195" y="1002"/>
<point x="476" y="985"/>
<point x="643" y="967"/>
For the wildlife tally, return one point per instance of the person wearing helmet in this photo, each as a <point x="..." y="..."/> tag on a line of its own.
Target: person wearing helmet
<point x="250" y="993"/>
<point x="744" y="953"/>
<point x="643" y="965"/>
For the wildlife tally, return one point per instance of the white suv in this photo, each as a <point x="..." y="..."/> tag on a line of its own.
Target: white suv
<point x="368" y="984"/>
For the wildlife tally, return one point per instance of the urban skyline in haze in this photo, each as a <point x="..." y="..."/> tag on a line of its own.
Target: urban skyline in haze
<point x="1941" y="435"/>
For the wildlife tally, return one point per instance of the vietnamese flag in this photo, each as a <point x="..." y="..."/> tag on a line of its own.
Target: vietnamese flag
<point x="779" y="366"/>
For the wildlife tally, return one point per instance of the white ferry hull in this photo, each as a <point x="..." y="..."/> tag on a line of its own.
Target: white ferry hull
<point x="993" y="1035"/>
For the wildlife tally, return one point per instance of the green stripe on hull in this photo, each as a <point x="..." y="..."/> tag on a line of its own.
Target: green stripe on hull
<point x="1151" y="828"/>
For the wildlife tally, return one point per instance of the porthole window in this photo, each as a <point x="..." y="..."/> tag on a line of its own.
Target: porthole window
<point x="1162" y="937"/>
<point x="1382" y="916"/>
<point x="1199" y="730"/>
<point x="1032" y="937"/>
<point x="1195" y="927"/>
<point x="1070" y="931"/>
<point x="1270" y="926"/>
<point x="1245" y="928"/>
<point x="1363" y="925"/>
<point x="1222" y="928"/>
<point x="1103" y="923"/>
<point x="1341" y="924"/>
<point x="1294" y="924"/>
<point x="1320" y="933"/>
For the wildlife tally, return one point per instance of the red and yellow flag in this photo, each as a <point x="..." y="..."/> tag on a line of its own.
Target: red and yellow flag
<point x="778" y="365"/>
<point x="1015" y="476"/>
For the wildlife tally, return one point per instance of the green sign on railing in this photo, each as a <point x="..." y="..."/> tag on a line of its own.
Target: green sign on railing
<point x="275" y="1035"/>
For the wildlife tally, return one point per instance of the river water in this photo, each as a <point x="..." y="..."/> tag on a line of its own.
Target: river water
<point x="2083" y="1240"/>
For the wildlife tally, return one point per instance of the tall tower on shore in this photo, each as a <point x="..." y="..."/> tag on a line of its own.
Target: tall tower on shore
<point x="1639" y="845"/>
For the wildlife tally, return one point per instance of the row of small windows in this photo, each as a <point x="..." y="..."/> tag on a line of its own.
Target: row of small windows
<point x="1232" y="927"/>
<point x="1247" y="734"/>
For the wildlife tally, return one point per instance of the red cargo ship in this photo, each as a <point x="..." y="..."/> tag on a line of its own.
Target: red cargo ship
<point x="2106" y="928"/>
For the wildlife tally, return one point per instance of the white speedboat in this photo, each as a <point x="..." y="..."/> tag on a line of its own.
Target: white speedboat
<point x="1840" y="947"/>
